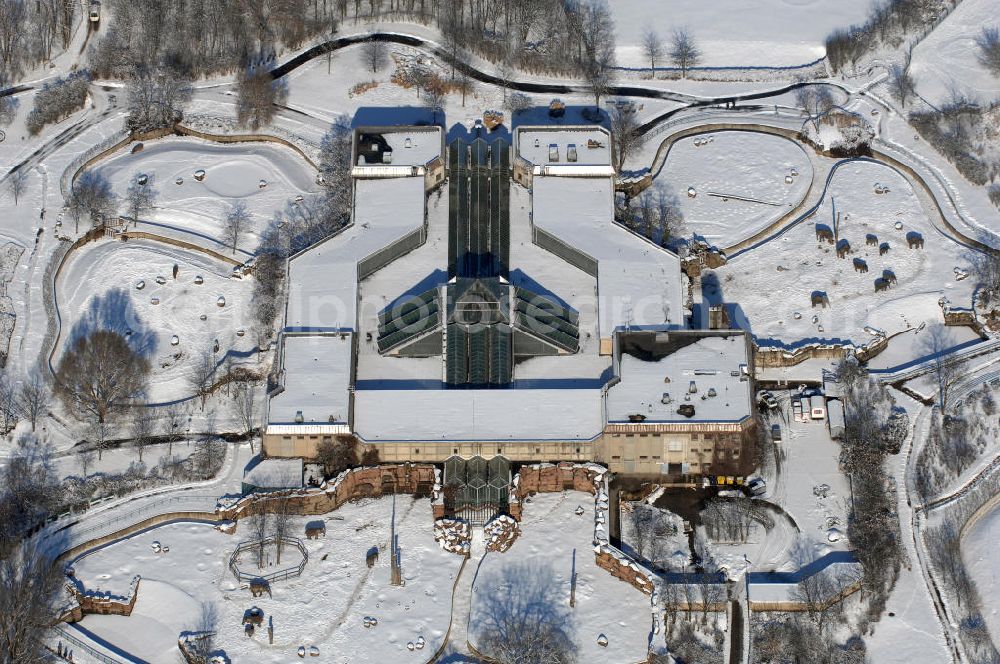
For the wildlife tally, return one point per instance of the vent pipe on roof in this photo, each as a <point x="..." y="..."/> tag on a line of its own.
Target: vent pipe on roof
<point x="298" y="417"/>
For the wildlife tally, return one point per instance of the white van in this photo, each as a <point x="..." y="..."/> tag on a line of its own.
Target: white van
<point x="817" y="407"/>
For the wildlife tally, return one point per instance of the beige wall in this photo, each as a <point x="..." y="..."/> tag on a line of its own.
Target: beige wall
<point x="293" y="446"/>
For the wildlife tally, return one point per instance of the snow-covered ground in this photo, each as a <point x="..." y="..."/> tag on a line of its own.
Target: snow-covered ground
<point x="795" y="264"/>
<point x="324" y="607"/>
<point x="979" y="554"/>
<point x="947" y="58"/>
<point x="98" y="288"/>
<point x="552" y="536"/>
<point x="724" y="169"/>
<point x="232" y="173"/>
<point x="736" y="33"/>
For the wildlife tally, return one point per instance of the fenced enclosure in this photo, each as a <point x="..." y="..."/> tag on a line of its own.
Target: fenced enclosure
<point x="279" y="575"/>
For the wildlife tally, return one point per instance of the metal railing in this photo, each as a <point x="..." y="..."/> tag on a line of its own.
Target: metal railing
<point x="62" y="634"/>
<point x="280" y="575"/>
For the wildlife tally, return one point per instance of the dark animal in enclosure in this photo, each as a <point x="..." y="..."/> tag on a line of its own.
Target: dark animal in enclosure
<point x="314" y="529"/>
<point x="843" y="248"/>
<point x="824" y="233"/>
<point x="881" y="285"/>
<point x="871" y="240"/>
<point x="883" y="249"/>
<point x="860" y="265"/>
<point x="889" y="276"/>
<point x="820" y="298"/>
<point x="914" y="240"/>
<point x="260" y="586"/>
<point x="372" y="556"/>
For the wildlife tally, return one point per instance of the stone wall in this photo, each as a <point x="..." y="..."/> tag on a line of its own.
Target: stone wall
<point x="417" y="479"/>
<point x="105" y="604"/>
<point x="625" y="570"/>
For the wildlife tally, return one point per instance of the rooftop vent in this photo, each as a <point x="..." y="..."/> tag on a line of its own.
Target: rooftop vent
<point x="692" y="387"/>
<point x="637" y="417"/>
<point x="665" y="398"/>
<point x="686" y="409"/>
<point x="712" y="392"/>
<point x="298" y="417"/>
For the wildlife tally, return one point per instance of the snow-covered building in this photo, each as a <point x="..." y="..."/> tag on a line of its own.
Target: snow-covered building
<point x="500" y="320"/>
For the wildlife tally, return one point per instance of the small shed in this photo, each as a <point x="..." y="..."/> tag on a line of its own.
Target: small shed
<point x="835" y="418"/>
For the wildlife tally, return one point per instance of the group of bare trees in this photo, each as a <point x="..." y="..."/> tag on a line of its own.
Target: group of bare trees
<point x="257" y="93"/>
<point x="655" y="213"/>
<point x="156" y="95"/>
<point x="989" y="49"/>
<point x="888" y="24"/>
<point x="31" y="32"/>
<point x="26" y="398"/>
<point x="93" y="199"/>
<point x="271" y="518"/>
<point x="795" y="639"/>
<point x="57" y="99"/>
<point x="958" y="128"/>
<point x="871" y="430"/>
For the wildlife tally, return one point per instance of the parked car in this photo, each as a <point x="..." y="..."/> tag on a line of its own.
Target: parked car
<point x="757" y="487"/>
<point x="776" y="433"/>
<point x="766" y="399"/>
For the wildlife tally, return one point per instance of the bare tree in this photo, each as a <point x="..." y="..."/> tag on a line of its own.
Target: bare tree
<point x="374" y="54"/>
<point x="142" y="431"/>
<point x="100" y="374"/>
<point x="156" y="97"/>
<point x="597" y="34"/>
<point x="9" y="409"/>
<point x="257" y="94"/>
<point x="202" y="374"/>
<point x="684" y="53"/>
<point x="98" y="433"/>
<point x="33" y="396"/>
<point x="463" y="84"/>
<point x="30" y="582"/>
<point x="336" y="455"/>
<point x="92" y="198"/>
<point x="901" y="82"/>
<point x="815" y="99"/>
<point x="625" y="135"/>
<point x="434" y="96"/>
<point x="936" y="343"/>
<point x="523" y="617"/>
<point x="281" y="524"/>
<point x="236" y="225"/>
<point x="173" y="423"/>
<point x="989" y="49"/>
<point x="652" y="46"/>
<point x="201" y="643"/>
<point x="16" y="183"/>
<point x="669" y="214"/>
<point x="86" y="459"/>
<point x="245" y="405"/>
<point x="986" y="267"/>
<point x="258" y="523"/>
<point x="140" y="198"/>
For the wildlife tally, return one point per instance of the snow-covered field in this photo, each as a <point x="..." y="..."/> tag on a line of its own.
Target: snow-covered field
<point x="232" y="173"/>
<point x="796" y="265"/>
<point x="946" y="58"/>
<point x="979" y="553"/>
<point x="726" y="164"/>
<point x="325" y="607"/>
<point x="551" y="536"/>
<point x="736" y="33"/>
<point x="98" y="289"/>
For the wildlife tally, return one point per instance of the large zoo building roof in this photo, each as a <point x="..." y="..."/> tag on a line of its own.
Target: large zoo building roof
<point x="464" y="347"/>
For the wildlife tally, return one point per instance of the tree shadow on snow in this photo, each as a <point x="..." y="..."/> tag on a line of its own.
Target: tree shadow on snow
<point x="114" y="311"/>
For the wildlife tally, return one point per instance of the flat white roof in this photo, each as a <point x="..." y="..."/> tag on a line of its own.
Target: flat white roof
<point x="413" y="147"/>
<point x="486" y="415"/>
<point x="639" y="284"/>
<point x="536" y="145"/>
<point x="275" y="474"/>
<point x="317" y="372"/>
<point x="710" y="362"/>
<point x="322" y="293"/>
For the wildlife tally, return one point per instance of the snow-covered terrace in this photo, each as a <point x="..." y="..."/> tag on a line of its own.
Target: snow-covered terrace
<point x="323" y="280"/>
<point x="639" y="284"/>
<point x="583" y="151"/>
<point x="316" y="370"/>
<point x="716" y="363"/>
<point x="478" y="415"/>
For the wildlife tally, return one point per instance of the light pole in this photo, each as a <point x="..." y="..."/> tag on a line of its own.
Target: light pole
<point x="749" y="625"/>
